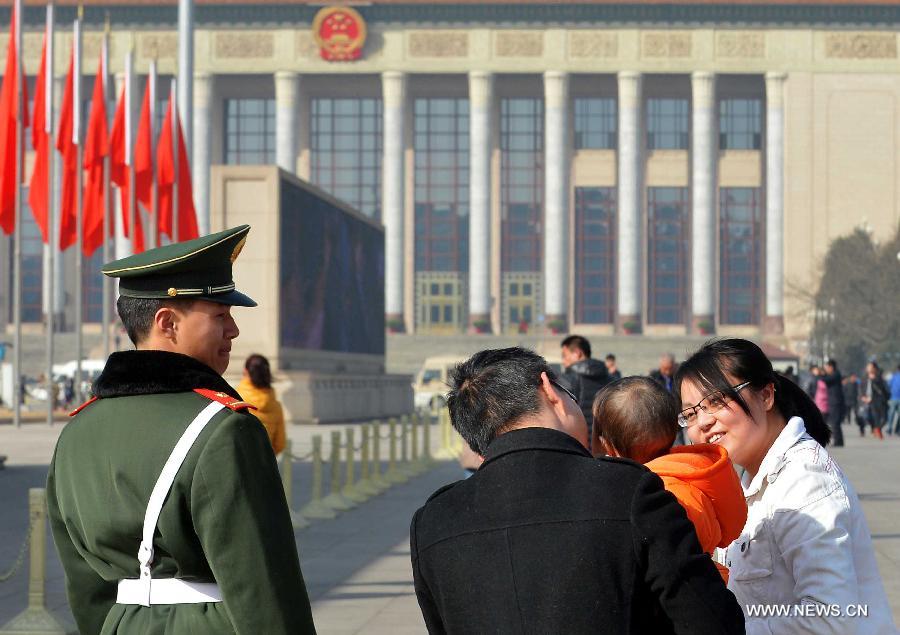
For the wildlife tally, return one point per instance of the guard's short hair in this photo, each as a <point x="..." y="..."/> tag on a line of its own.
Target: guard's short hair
<point x="492" y="390"/>
<point x="137" y="314"/>
<point x="637" y="417"/>
<point x="577" y="342"/>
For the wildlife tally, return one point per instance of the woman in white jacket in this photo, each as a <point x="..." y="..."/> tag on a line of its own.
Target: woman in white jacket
<point x="804" y="562"/>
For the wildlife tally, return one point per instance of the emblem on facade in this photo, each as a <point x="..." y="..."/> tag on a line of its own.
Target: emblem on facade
<point x="340" y="33"/>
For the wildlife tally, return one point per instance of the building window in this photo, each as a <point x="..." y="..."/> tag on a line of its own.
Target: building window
<point x="32" y="267"/>
<point x="667" y="249"/>
<point x="740" y="124"/>
<point x="595" y="123"/>
<point x="249" y="131"/>
<point x="595" y="254"/>
<point x="442" y="184"/>
<point x="740" y="262"/>
<point x="667" y="124"/>
<point x="92" y="287"/>
<point x="522" y="182"/>
<point x="346" y="150"/>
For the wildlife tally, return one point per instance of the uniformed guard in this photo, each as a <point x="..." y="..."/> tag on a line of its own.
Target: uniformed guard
<point x="164" y="496"/>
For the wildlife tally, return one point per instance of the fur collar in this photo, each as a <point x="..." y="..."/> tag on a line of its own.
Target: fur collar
<point x="152" y="372"/>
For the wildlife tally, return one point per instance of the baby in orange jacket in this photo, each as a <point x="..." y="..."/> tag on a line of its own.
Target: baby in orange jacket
<point x="637" y="419"/>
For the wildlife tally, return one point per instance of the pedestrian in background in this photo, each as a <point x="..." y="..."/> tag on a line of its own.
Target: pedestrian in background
<point x="255" y="388"/>
<point x="612" y="368"/>
<point x="835" y="395"/>
<point x="893" y="420"/>
<point x="583" y="375"/>
<point x="664" y="375"/>
<point x="874" y="396"/>
<point x="851" y="400"/>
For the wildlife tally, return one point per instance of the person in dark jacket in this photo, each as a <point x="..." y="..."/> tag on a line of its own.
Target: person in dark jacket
<point x="664" y="375"/>
<point x="836" y="406"/>
<point x="873" y="393"/>
<point x="583" y="375"/>
<point x="851" y="401"/>
<point x="559" y="542"/>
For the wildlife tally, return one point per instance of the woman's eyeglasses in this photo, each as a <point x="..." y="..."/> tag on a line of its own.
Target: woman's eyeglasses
<point x="710" y="404"/>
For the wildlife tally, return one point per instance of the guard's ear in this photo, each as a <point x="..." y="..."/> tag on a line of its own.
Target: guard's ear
<point x="165" y="322"/>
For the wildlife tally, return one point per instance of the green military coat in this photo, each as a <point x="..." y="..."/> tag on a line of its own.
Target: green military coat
<point x="225" y="519"/>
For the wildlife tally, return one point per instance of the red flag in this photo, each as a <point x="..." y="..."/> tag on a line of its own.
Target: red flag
<point x="96" y="147"/>
<point x="9" y="111"/>
<point x="38" y="192"/>
<point x="143" y="154"/>
<point x="68" y="231"/>
<point x="119" y="173"/>
<point x="171" y="173"/>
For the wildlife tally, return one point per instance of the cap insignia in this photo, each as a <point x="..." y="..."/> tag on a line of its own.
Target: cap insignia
<point x="172" y="291"/>
<point x="237" y="249"/>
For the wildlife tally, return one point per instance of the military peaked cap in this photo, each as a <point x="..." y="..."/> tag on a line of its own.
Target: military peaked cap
<point x="198" y="269"/>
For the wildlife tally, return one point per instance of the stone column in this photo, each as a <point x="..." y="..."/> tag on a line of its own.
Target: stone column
<point x="630" y="243"/>
<point x="394" y="94"/>
<point x="774" y="316"/>
<point x="287" y="90"/>
<point x="203" y="100"/>
<point x="481" y="108"/>
<point x="703" y="176"/>
<point x="556" y="197"/>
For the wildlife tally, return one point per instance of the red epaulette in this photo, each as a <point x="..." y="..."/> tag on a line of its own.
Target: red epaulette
<point x="83" y="406"/>
<point x="225" y="399"/>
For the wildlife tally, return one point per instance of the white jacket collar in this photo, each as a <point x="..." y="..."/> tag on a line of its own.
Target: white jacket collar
<point x="774" y="460"/>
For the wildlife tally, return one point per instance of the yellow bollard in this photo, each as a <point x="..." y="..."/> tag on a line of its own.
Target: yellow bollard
<point x="377" y="479"/>
<point x="36" y="619"/>
<point x="415" y="462"/>
<point x="334" y="499"/>
<point x="444" y="452"/>
<point x="351" y="491"/>
<point x="366" y="485"/>
<point x="287" y="480"/>
<point x="426" y="441"/>
<point x="393" y="474"/>
<point x="405" y="466"/>
<point x="315" y="508"/>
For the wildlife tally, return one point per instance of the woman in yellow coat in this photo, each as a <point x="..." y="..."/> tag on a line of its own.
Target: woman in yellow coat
<point x="256" y="389"/>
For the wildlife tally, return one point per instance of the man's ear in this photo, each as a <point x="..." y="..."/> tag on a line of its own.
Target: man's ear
<point x="165" y="321"/>
<point x="547" y="388"/>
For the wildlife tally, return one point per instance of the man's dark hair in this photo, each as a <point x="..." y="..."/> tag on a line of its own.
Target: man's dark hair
<point x="492" y="390"/>
<point x="637" y="417"/>
<point x="831" y="362"/>
<point x="610" y="357"/>
<point x="577" y="342"/>
<point x="137" y="314"/>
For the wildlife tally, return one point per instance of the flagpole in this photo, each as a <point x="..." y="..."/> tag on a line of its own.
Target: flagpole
<point x="133" y="218"/>
<point x="79" y="195"/>
<point x="17" y="234"/>
<point x="51" y="217"/>
<point x="107" y="195"/>
<point x="173" y="117"/>
<point x="154" y="191"/>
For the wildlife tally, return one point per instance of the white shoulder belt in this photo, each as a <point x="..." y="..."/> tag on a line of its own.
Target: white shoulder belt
<point x="145" y="591"/>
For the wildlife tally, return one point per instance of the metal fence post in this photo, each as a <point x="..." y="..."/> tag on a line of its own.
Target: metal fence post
<point x="366" y="484"/>
<point x="377" y="479"/>
<point x="351" y="491"/>
<point x="334" y="499"/>
<point x="287" y="480"/>
<point x="36" y="619"/>
<point x="315" y="508"/>
<point x="393" y="474"/>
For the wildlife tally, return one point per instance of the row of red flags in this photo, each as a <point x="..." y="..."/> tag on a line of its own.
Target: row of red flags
<point x="172" y="173"/>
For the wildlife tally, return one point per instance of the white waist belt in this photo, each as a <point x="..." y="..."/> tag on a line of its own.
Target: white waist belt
<point x="166" y="591"/>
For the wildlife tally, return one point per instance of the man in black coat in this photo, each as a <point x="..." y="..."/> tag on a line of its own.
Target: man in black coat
<point x="582" y="374"/>
<point x="544" y="538"/>
<point x="836" y="404"/>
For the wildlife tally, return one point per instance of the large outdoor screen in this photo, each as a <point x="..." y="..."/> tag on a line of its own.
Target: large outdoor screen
<point x="332" y="276"/>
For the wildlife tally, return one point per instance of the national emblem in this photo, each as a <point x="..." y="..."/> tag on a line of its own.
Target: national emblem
<point x="340" y="33"/>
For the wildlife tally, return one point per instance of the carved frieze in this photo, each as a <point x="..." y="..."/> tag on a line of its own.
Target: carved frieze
<point x="519" y="44"/>
<point x="439" y="44"/>
<point x="666" y="44"/>
<point x="861" y="46"/>
<point x="252" y="44"/>
<point x="741" y="44"/>
<point x="593" y="44"/>
<point x="306" y="45"/>
<point x="158" y="45"/>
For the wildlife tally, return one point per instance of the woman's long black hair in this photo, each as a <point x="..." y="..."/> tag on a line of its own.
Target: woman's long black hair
<point x="745" y="361"/>
<point x="257" y="368"/>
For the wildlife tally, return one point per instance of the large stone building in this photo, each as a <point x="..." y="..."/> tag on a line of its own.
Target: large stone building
<point x="664" y="168"/>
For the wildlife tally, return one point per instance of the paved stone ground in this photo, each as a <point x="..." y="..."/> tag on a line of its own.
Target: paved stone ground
<point x="357" y="565"/>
